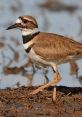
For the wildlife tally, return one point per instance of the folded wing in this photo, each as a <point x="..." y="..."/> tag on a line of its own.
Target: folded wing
<point x="57" y="48"/>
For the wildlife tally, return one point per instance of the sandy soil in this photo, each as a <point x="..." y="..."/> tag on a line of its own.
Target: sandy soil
<point x="18" y="103"/>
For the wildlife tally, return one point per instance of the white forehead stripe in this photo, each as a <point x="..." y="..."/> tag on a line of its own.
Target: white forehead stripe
<point x="18" y="21"/>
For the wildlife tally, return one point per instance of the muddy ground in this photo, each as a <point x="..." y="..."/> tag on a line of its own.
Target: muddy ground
<point x="17" y="103"/>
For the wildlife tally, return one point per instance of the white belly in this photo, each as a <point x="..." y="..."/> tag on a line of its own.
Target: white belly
<point x="37" y="59"/>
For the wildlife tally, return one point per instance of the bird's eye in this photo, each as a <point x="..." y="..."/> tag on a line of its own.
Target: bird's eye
<point x="25" y="21"/>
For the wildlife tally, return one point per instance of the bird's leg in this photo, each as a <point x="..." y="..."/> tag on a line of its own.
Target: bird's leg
<point x="33" y="68"/>
<point x="42" y="87"/>
<point x="45" y="72"/>
<point x="57" y="78"/>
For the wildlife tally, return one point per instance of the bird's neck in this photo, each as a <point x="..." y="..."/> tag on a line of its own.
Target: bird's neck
<point x="29" y="34"/>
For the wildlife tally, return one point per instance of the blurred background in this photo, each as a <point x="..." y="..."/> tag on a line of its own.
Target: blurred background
<point x="62" y="17"/>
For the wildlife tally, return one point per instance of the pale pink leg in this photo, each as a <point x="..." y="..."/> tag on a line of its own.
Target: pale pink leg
<point x="57" y="78"/>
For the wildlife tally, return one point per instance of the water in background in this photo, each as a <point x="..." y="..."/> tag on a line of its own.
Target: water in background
<point x="56" y="19"/>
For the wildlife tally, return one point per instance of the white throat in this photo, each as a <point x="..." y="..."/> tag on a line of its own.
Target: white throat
<point x="26" y="32"/>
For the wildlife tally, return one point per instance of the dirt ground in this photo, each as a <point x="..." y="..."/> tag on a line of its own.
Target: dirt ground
<point x="18" y="102"/>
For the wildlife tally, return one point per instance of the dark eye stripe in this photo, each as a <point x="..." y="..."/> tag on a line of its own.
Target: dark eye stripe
<point x="25" y="21"/>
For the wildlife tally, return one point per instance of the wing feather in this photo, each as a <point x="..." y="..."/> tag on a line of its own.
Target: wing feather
<point x="56" y="47"/>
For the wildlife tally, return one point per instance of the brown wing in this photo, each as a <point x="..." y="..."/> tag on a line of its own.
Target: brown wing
<point x="56" y="47"/>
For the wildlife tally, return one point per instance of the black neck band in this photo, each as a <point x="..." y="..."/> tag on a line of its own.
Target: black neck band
<point x="28" y="38"/>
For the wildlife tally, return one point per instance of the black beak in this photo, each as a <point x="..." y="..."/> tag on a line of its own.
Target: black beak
<point x="12" y="26"/>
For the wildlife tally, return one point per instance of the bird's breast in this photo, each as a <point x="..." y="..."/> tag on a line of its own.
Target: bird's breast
<point x="35" y="58"/>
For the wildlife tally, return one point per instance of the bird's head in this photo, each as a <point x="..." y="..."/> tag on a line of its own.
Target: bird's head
<point x="27" y="24"/>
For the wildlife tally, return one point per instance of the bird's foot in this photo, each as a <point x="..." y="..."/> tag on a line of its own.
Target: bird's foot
<point x="36" y="91"/>
<point x="42" y="88"/>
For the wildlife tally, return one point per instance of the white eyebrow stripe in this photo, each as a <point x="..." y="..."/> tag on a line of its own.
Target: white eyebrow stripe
<point x="30" y="20"/>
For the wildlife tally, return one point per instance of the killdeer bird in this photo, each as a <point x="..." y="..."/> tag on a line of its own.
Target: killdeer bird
<point x="46" y="49"/>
